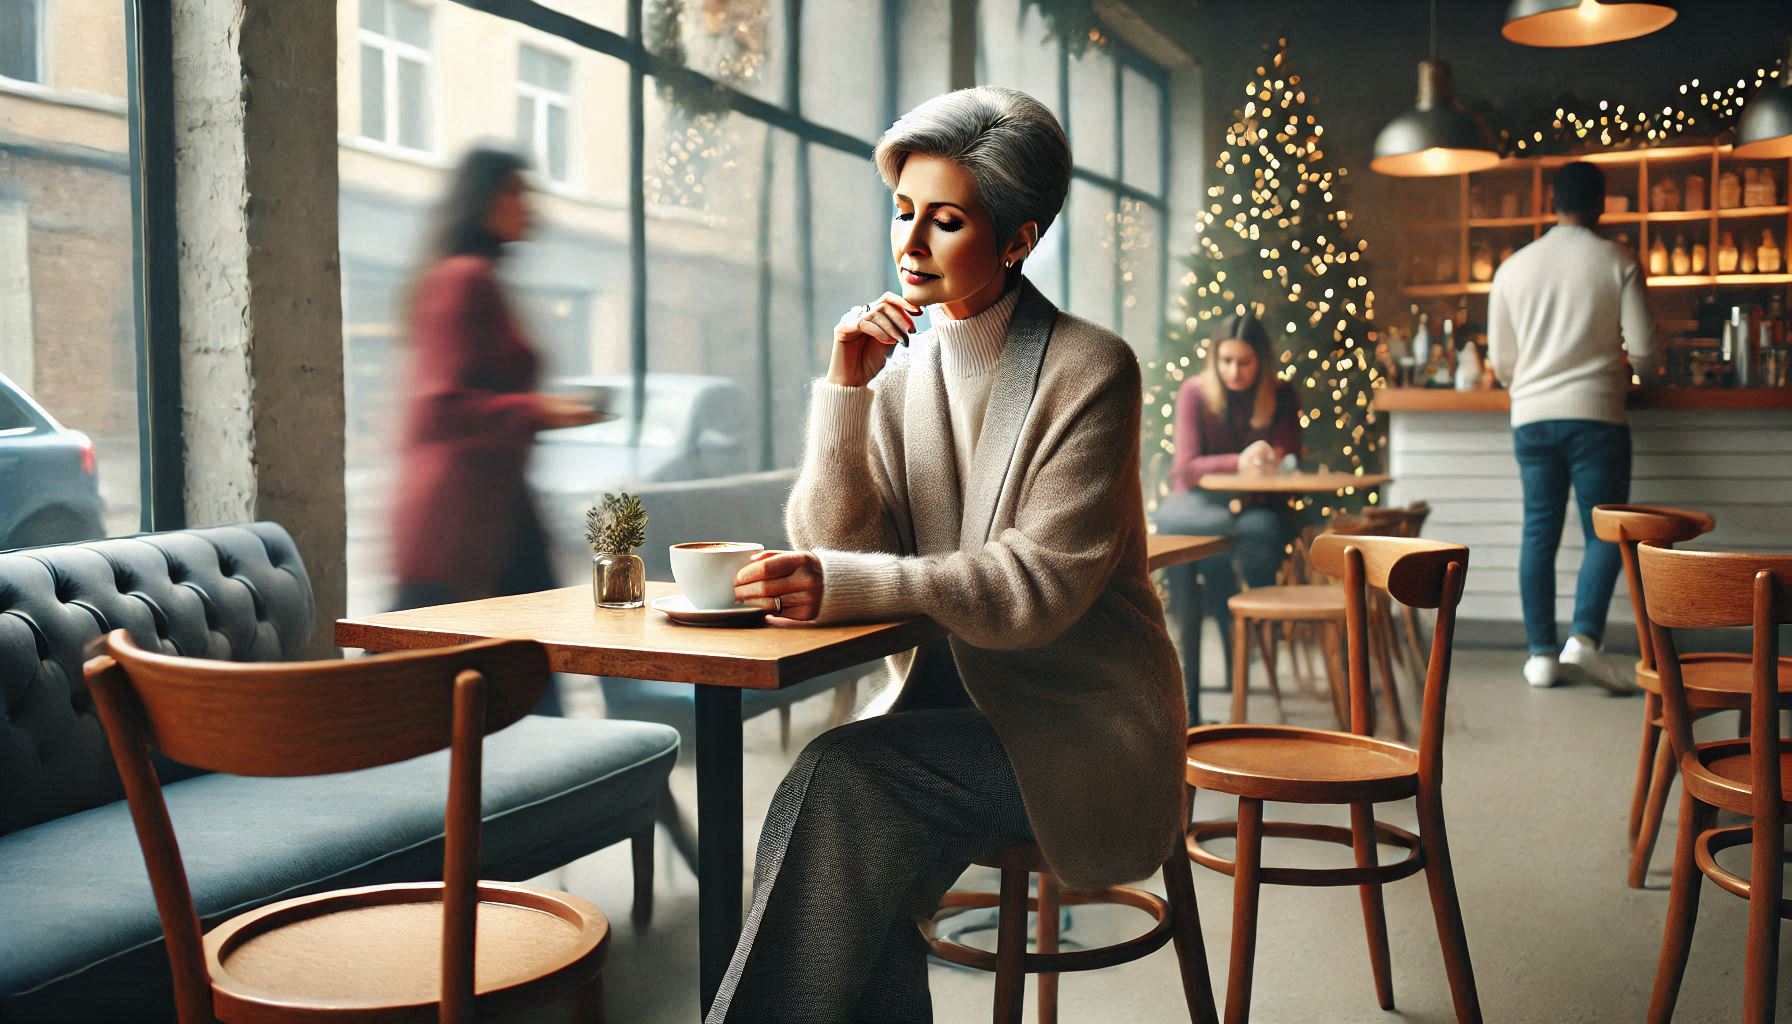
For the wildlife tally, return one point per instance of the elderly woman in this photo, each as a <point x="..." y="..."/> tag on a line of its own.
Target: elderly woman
<point x="985" y="475"/>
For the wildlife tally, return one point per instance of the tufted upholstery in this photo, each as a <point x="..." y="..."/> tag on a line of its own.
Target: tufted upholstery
<point x="232" y="592"/>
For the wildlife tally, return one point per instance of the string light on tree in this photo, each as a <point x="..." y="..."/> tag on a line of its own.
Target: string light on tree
<point x="1275" y="239"/>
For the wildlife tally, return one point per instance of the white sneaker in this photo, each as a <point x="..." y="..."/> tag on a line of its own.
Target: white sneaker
<point x="1541" y="670"/>
<point x="1582" y="663"/>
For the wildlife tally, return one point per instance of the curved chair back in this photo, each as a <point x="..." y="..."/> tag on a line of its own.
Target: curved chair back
<point x="1630" y="525"/>
<point x="309" y="718"/>
<point x="1415" y="572"/>
<point x="1714" y="589"/>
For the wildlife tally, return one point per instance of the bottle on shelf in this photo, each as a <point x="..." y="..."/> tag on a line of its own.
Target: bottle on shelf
<point x="1767" y="258"/>
<point x="1729" y="190"/>
<point x="1682" y="259"/>
<point x="1509" y="205"/>
<point x="1441" y="363"/>
<point x="1505" y="254"/>
<point x="1664" y="196"/>
<point x="1421" y="348"/>
<point x="1468" y="367"/>
<point x="1758" y="187"/>
<point x="1746" y="262"/>
<point x="1695" y="192"/>
<point x="1699" y="258"/>
<point x="1658" y="258"/>
<point x="1480" y="264"/>
<point x="1727" y="258"/>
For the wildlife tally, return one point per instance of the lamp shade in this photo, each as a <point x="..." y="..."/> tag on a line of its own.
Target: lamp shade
<point x="1436" y="136"/>
<point x="1558" y="23"/>
<point x="1765" y="128"/>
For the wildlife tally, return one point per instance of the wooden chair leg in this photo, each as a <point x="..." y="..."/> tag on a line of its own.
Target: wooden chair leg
<point x="1246" y="888"/>
<point x="1683" y="911"/>
<point x="784" y="728"/>
<point x="667" y="813"/>
<point x="1416" y="640"/>
<point x="1299" y="658"/>
<point x="1191" y="951"/>
<point x="1011" y="948"/>
<point x="641" y="852"/>
<point x="1241" y="664"/>
<point x="1440" y="877"/>
<point x="1647" y="752"/>
<point x="1266" y="642"/>
<point x="1764" y="888"/>
<point x="1334" y="670"/>
<point x="1047" y="930"/>
<point x="1644" y="848"/>
<point x="845" y="696"/>
<point x="1381" y="642"/>
<point x="1375" y="918"/>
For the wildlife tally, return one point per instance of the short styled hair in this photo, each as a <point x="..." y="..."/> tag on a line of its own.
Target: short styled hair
<point x="1580" y="189"/>
<point x="1011" y="143"/>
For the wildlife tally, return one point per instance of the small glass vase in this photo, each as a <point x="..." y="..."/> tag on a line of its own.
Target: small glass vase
<point x="618" y="581"/>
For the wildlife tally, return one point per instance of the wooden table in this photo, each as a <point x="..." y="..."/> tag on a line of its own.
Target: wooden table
<point x="1290" y="483"/>
<point x="643" y="644"/>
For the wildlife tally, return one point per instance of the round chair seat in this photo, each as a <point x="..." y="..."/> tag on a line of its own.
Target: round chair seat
<point x="1728" y="775"/>
<point x="1303" y="603"/>
<point x="378" y="948"/>
<point x="1285" y="762"/>
<point x="1715" y="680"/>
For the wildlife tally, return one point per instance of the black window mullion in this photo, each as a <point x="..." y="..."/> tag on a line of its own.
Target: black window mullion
<point x="637" y="218"/>
<point x="149" y="55"/>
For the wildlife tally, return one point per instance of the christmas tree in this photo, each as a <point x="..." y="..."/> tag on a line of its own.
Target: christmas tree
<point x="1275" y="240"/>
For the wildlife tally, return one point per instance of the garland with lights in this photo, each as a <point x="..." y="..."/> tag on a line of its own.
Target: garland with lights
<point x="1072" y="21"/>
<point x="1573" y="124"/>
<point x="1276" y="239"/>
<point x="735" y="34"/>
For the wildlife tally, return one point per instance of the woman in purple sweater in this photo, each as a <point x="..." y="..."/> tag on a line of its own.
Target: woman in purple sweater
<point x="1234" y="417"/>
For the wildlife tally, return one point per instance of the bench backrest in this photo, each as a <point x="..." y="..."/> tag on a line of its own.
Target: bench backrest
<point x="238" y="593"/>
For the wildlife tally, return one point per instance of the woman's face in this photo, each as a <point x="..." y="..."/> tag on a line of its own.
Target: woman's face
<point x="1238" y="365"/>
<point x="942" y="239"/>
<point x="509" y="217"/>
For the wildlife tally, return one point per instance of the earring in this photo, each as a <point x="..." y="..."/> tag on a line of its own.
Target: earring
<point x="1009" y="264"/>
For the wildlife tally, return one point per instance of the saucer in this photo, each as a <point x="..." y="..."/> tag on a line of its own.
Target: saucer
<point x="679" y="609"/>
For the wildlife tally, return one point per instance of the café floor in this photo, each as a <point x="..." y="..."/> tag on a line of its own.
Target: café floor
<point x="1536" y="795"/>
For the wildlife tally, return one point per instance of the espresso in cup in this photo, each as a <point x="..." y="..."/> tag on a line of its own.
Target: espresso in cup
<point x="705" y="570"/>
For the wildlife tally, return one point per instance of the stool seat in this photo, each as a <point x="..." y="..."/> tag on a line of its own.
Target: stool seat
<point x="1715" y="679"/>
<point x="1303" y="602"/>
<point x="1285" y="762"/>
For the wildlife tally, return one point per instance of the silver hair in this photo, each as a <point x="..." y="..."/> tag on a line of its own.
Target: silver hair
<point x="1010" y="142"/>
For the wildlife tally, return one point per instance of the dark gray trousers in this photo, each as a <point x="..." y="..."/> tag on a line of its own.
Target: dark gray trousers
<point x="872" y="826"/>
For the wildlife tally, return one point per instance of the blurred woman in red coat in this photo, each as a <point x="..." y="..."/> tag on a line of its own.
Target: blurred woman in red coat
<point x="464" y="526"/>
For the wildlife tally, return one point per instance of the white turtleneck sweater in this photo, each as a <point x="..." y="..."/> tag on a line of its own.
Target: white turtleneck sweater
<point x="969" y="351"/>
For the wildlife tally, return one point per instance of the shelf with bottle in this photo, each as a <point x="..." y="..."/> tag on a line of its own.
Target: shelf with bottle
<point x="1684" y="251"/>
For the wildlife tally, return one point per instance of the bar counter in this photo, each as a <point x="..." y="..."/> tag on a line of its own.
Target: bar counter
<point x="1724" y="451"/>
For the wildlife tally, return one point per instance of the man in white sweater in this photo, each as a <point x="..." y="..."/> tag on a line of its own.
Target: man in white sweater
<point x="1564" y="311"/>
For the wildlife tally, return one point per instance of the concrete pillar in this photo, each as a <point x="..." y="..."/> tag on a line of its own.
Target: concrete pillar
<point x="260" y="283"/>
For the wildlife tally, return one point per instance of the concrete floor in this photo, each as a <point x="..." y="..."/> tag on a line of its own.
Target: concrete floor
<point x="1537" y="793"/>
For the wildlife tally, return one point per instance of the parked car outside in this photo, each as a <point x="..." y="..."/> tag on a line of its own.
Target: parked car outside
<point x="692" y="427"/>
<point x="49" y="476"/>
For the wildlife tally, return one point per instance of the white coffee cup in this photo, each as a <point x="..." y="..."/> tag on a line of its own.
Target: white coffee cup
<point x="705" y="570"/>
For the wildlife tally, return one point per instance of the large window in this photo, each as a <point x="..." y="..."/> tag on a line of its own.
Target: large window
<point x="544" y="110"/>
<point x="21" y="40"/>
<point x="397" y="105"/>
<point x="760" y="219"/>
<point x="72" y="380"/>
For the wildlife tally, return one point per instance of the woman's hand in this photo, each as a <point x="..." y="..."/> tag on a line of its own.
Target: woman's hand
<point x="559" y="411"/>
<point x="789" y="581"/>
<point x="864" y="336"/>
<point x="1257" y="457"/>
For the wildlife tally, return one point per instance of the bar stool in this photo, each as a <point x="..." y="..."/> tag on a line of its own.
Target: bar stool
<point x="1713" y="681"/>
<point x="1173" y="920"/>
<point x="1286" y="764"/>
<point x="1706" y="590"/>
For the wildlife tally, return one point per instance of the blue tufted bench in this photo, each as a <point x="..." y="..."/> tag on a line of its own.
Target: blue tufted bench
<point x="79" y="936"/>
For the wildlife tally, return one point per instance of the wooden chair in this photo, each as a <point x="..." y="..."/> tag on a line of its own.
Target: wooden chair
<point x="1707" y="590"/>
<point x="1259" y="763"/>
<point x="391" y="952"/>
<point x="1713" y="681"/>
<point x="1175" y="919"/>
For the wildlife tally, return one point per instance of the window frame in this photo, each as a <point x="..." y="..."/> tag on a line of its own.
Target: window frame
<point x="393" y="49"/>
<point x="541" y="98"/>
<point x="40" y="52"/>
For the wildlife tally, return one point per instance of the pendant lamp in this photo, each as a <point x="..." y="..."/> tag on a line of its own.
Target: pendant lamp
<point x="1558" y="23"/>
<point x="1437" y="136"/>
<point x="1765" y="128"/>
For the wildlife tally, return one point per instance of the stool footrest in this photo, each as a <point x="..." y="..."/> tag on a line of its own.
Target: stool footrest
<point x="1202" y="831"/>
<point x="1067" y="961"/>
<point x="1713" y="841"/>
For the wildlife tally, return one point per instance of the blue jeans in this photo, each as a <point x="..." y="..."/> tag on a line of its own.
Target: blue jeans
<point x="1594" y="457"/>
<point x="1258" y="536"/>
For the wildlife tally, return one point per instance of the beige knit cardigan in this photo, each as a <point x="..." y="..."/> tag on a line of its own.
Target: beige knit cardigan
<point x="1035" y="565"/>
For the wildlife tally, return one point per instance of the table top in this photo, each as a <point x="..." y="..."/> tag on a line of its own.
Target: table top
<point x="643" y="644"/>
<point x="1290" y="483"/>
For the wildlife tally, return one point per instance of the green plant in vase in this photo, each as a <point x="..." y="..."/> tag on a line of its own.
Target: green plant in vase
<point x="615" y="528"/>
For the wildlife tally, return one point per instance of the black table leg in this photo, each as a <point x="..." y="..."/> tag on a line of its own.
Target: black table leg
<point x="719" y="834"/>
